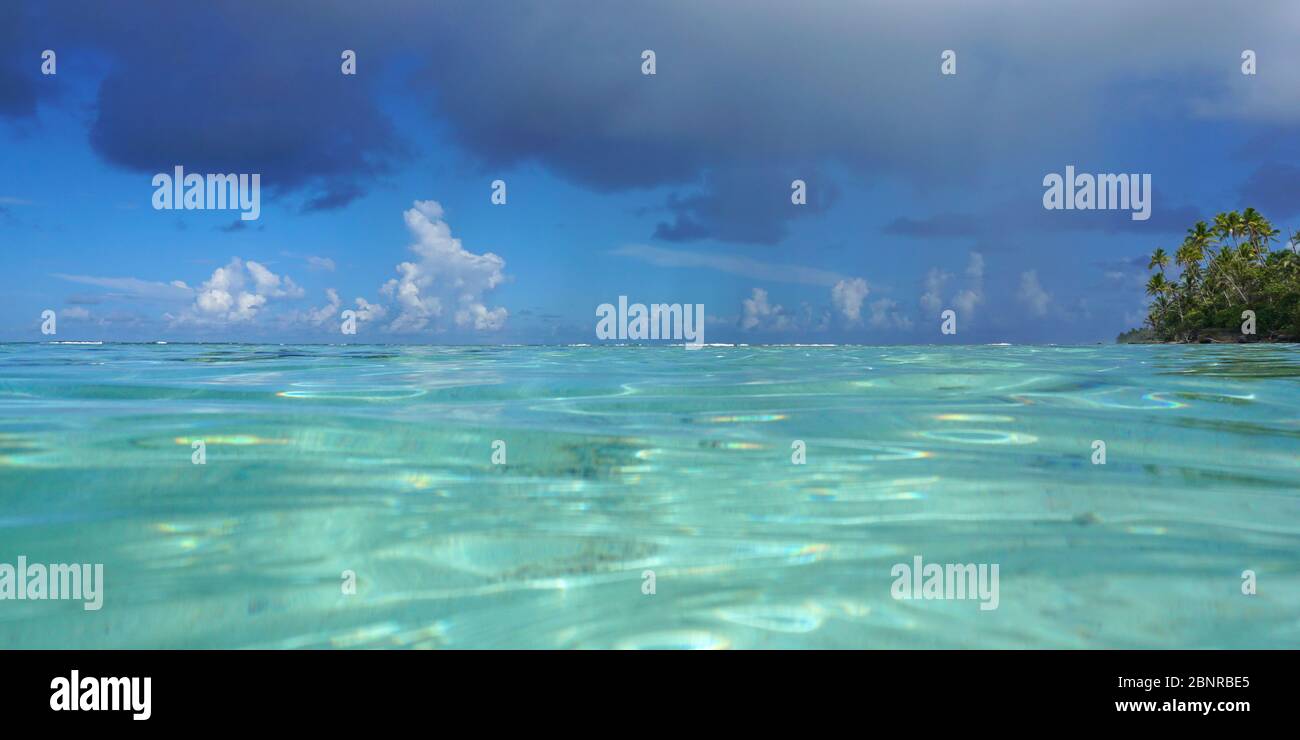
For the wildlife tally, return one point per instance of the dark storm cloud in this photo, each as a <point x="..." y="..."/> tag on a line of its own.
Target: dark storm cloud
<point x="744" y="205"/>
<point x="1274" y="190"/>
<point x="938" y="225"/>
<point x="19" y="63"/>
<point x="1272" y="143"/>
<point x="338" y="195"/>
<point x="1030" y="215"/>
<point x="237" y="87"/>
<point x="746" y="97"/>
<point x="1164" y="220"/>
<point x="738" y="108"/>
<point x="780" y="85"/>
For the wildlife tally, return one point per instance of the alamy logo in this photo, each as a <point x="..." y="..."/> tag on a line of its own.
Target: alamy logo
<point x="195" y="192"/>
<point x="101" y="694"/>
<point x="659" y="321"/>
<point x="38" y="581"/>
<point x="1103" y="192"/>
<point x="947" y="581"/>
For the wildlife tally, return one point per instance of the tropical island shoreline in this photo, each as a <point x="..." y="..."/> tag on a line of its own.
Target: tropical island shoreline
<point x="1231" y="286"/>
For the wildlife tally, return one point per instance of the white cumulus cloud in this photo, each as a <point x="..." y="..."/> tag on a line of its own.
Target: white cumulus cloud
<point x="235" y="294"/>
<point x="965" y="299"/>
<point x="1032" y="294"/>
<point x="446" y="278"/>
<point x="759" y="313"/>
<point x="848" y="295"/>
<point x="885" y="315"/>
<point x="332" y="311"/>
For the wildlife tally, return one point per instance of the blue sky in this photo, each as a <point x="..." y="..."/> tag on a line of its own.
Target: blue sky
<point x="924" y="190"/>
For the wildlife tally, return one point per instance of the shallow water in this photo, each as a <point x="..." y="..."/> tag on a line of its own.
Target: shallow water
<point x="619" y="460"/>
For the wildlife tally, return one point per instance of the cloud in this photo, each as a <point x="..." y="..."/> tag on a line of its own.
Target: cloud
<point x="885" y="315"/>
<point x="1028" y="215"/>
<point x="758" y="313"/>
<point x="269" y="284"/>
<point x="318" y="316"/>
<point x="932" y="292"/>
<point x="965" y="299"/>
<point x="446" y="279"/>
<point x="75" y="313"/>
<point x="1032" y="294"/>
<point x="18" y="72"/>
<point x="938" y="225"/>
<point x="367" y="311"/>
<point x="332" y="312"/>
<point x="778" y="99"/>
<point x="235" y="294"/>
<point x="337" y="196"/>
<point x="1274" y="190"/>
<point x="847" y="293"/>
<point x="732" y="133"/>
<point x="320" y="263"/>
<point x="306" y="128"/>
<point x="973" y="294"/>
<point x="847" y="296"/>
<point x="732" y="265"/>
<point x="742" y="204"/>
<point x="242" y="293"/>
<point x="129" y="287"/>
<point x="740" y="105"/>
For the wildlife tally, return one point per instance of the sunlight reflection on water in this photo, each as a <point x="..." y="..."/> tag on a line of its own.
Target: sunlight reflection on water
<point x="378" y="461"/>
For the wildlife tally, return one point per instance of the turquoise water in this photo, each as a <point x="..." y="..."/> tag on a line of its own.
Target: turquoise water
<point x="620" y="460"/>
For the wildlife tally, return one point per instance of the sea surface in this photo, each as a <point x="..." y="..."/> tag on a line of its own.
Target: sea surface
<point x="373" y="466"/>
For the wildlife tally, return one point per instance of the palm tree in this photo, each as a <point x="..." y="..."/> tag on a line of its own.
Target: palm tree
<point x="1156" y="316"/>
<point x="1201" y="234"/>
<point x="1229" y="225"/>
<point x="1257" y="227"/>
<point x="1157" y="285"/>
<point x="1160" y="259"/>
<point x="1189" y="256"/>
<point x="1199" y="239"/>
<point x="1259" y="232"/>
<point x="1223" y="266"/>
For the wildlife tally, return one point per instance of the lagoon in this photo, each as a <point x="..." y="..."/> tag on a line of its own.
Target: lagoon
<point x="378" y="460"/>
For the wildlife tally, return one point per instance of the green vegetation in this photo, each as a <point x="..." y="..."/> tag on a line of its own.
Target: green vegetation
<point x="1136" y="336"/>
<point x="1223" y="270"/>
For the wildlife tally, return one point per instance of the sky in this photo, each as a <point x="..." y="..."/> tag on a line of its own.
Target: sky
<point x="924" y="190"/>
